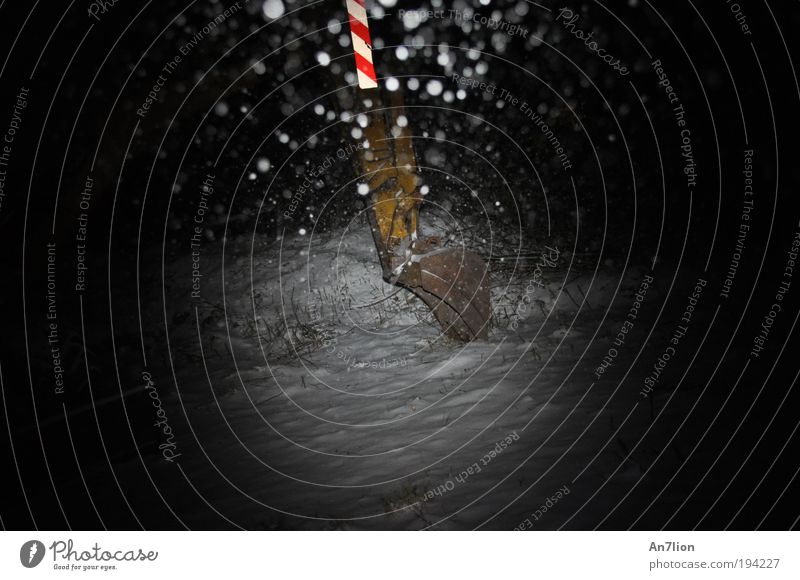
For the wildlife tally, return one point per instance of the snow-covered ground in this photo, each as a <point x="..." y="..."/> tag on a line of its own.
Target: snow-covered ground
<point x="310" y="394"/>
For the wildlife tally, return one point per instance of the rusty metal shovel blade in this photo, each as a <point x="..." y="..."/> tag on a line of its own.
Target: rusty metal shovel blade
<point x="454" y="283"/>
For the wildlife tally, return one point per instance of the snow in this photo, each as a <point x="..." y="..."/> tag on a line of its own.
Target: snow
<point x="328" y="398"/>
<point x="263" y="165"/>
<point x="412" y="20"/>
<point x="323" y="58"/>
<point x="434" y="87"/>
<point x="334" y="26"/>
<point x="221" y="109"/>
<point x="273" y="9"/>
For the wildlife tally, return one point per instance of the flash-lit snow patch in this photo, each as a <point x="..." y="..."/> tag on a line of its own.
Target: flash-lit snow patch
<point x="309" y="338"/>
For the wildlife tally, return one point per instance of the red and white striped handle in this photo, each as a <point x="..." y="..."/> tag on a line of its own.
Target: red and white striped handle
<point x="362" y="44"/>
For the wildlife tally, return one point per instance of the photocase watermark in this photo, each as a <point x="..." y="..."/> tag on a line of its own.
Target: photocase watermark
<point x="82" y="234"/>
<point x="53" y="336"/>
<point x="760" y="340"/>
<point x="530" y="113"/>
<point x="6" y="147"/>
<point x="548" y="504"/>
<point x="184" y="50"/>
<point x="568" y="18"/>
<point x="206" y="191"/>
<point x="740" y="16"/>
<point x="679" y="112"/>
<point x="316" y="172"/>
<point x="67" y="557"/>
<point x="330" y="345"/>
<point x="100" y="8"/>
<point x="414" y="17"/>
<point x="744" y="225"/>
<point x="473" y="469"/>
<point x="548" y="258"/>
<point x="32" y="553"/>
<point x="678" y="334"/>
<point x="352" y="362"/>
<point x="627" y="326"/>
<point x="168" y="445"/>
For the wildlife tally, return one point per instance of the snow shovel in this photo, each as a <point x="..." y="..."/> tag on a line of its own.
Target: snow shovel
<point x="453" y="282"/>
